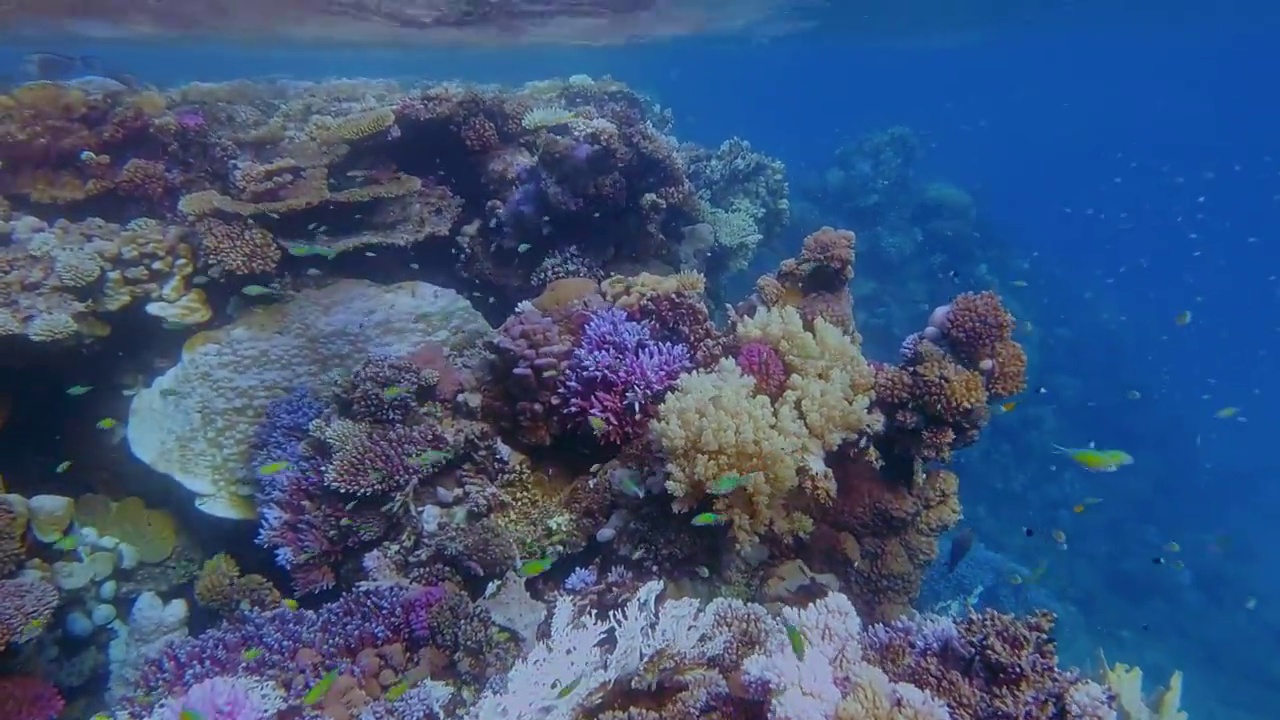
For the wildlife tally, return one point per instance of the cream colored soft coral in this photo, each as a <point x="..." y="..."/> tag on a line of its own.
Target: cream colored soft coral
<point x="831" y="384"/>
<point x="714" y="424"/>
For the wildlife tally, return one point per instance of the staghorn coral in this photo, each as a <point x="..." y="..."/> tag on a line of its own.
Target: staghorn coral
<point x="385" y="389"/>
<point x="674" y="308"/>
<point x="226" y="698"/>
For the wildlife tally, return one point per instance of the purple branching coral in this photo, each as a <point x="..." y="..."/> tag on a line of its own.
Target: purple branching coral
<point x="295" y="647"/>
<point x="296" y="522"/>
<point x="417" y="609"/>
<point x="618" y="374"/>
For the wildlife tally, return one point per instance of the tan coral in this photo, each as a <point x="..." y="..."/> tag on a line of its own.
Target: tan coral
<point x="237" y="248"/>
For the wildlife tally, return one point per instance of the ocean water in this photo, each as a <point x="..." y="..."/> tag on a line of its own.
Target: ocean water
<point x="1123" y="173"/>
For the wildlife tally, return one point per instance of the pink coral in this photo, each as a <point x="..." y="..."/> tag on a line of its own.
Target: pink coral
<point x="26" y="605"/>
<point x="29" y="698"/>
<point x="762" y="362"/>
<point x="224" y="698"/>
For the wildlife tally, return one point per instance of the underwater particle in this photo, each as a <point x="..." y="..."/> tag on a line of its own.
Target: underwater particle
<point x="63" y="466"/>
<point x="1250" y="603"/>
<point x="106" y="423"/>
<point x="78" y="390"/>
<point x="1182" y="318"/>
<point x="1157" y="560"/>
<point x="273" y="468"/>
<point x="708" y="518"/>
<point x="1133" y="395"/>
<point x="1172" y="547"/>
<point x="1042" y="390"/>
<point x="1059" y="536"/>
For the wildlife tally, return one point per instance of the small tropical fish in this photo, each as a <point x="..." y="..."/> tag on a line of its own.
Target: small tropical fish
<point x="1250" y="603"/>
<point x="395" y="692"/>
<point x="708" y="518"/>
<point x="78" y="390"/>
<point x="797" y="640"/>
<point x="1078" y="508"/>
<point x="1133" y="395"/>
<point x="431" y="457"/>
<point x="534" y="568"/>
<point x="568" y="689"/>
<point x="1059" y="537"/>
<point x="107" y="423"/>
<point x="309" y="250"/>
<point x="1182" y="318"/>
<point x="394" y="391"/>
<point x="523" y="248"/>
<point x="1007" y="407"/>
<point x="190" y="715"/>
<point x="173" y="325"/>
<point x="169" y="392"/>
<point x="1227" y="412"/>
<point x="625" y="480"/>
<point x="258" y="290"/>
<point x="321" y="688"/>
<point x="251" y="654"/>
<point x="597" y="424"/>
<point x="63" y="466"/>
<point x="1172" y="547"/>
<point x="273" y="468"/>
<point x="961" y="544"/>
<point x="1095" y="460"/>
<point x="727" y="483"/>
<point x="1178" y="565"/>
<point x="66" y="543"/>
<point x="1015" y="579"/>
<point x="1019" y="283"/>
<point x="289" y="603"/>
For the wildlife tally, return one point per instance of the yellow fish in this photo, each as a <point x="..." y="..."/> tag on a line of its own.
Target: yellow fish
<point x="1227" y="412"/>
<point x="1095" y="460"/>
<point x="273" y="468"/>
<point x="107" y="423"/>
<point x="1183" y="318"/>
<point x="534" y="568"/>
<point x="1172" y="547"/>
<point x="321" y="688"/>
<point x="289" y="603"/>
<point x="1007" y="407"/>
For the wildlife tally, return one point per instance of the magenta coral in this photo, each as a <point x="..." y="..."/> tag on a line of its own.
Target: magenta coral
<point x="28" y="698"/>
<point x="762" y="362"/>
<point x="618" y="374"/>
<point x="26" y="605"/>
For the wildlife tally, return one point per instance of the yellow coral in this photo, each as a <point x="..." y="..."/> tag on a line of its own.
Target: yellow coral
<point x="714" y="424"/>
<point x="1126" y="683"/>
<point x="153" y="532"/>
<point x="831" y="383"/>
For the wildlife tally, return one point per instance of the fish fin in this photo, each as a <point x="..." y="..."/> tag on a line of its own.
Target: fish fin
<point x="1093" y="445"/>
<point x="1060" y="450"/>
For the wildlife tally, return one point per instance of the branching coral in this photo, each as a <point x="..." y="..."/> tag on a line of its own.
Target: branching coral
<point x="29" y="698"/>
<point x="220" y="586"/>
<point x="817" y="281"/>
<point x="675" y="309"/>
<point x="616" y="375"/>
<point x="979" y="330"/>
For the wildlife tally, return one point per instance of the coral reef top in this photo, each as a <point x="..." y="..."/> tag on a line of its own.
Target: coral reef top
<point x="407" y="21"/>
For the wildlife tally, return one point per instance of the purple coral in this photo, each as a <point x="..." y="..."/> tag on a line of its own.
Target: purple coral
<point x="532" y="356"/>
<point x="618" y="374"/>
<point x="298" y="524"/>
<point x="417" y="609"/>
<point x="296" y="647"/>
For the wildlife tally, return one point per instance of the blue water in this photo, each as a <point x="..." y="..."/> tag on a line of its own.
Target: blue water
<point x="1126" y="177"/>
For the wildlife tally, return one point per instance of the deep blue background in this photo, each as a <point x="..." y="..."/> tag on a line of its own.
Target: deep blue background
<point x="1136" y="174"/>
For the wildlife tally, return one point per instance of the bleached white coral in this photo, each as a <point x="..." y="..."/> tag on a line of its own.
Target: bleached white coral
<point x="545" y="116"/>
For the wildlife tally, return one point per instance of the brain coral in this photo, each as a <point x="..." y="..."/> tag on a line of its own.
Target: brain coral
<point x="200" y="435"/>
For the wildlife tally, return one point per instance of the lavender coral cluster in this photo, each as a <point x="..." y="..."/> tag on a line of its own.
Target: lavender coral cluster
<point x="618" y="373"/>
<point x="294" y="648"/>
<point x="293" y="525"/>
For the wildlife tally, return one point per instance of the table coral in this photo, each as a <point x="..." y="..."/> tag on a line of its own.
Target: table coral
<point x="227" y="377"/>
